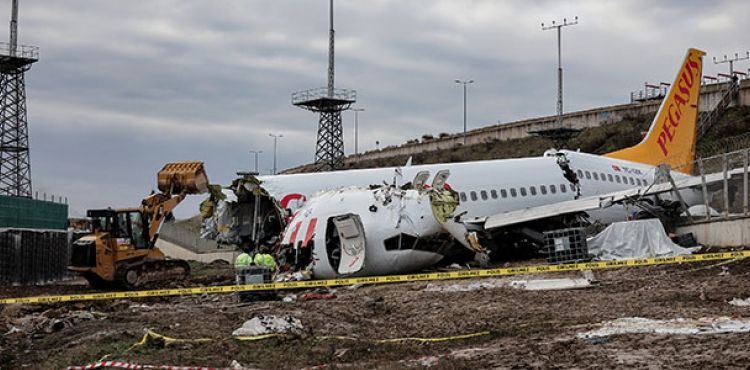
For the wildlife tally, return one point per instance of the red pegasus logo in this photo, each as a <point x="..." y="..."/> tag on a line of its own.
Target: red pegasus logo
<point x="675" y="108"/>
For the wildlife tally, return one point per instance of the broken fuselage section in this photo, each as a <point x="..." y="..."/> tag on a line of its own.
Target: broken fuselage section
<point x="362" y="232"/>
<point x="351" y="231"/>
<point x="242" y="214"/>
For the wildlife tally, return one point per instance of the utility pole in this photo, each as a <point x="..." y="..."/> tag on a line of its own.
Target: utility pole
<point x="256" y="152"/>
<point x="356" y="127"/>
<point x="275" y="139"/>
<point x="559" y="27"/>
<point x="464" y="82"/>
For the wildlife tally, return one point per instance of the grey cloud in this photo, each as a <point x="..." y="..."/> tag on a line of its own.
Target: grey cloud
<point x="123" y="87"/>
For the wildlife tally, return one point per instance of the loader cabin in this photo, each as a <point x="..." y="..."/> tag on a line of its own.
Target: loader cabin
<point x="128" y="226"/>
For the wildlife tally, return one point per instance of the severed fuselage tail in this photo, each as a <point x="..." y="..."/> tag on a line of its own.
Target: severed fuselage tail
<point x="671" y="138"/>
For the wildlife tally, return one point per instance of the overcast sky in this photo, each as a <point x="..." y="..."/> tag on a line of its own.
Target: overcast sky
<point x="123" y="87"/>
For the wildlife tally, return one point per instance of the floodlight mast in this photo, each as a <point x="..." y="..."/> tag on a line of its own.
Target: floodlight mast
<point x="14" y="28"/>
<point x="331" y="34"/>
<point x="731" y="61"/>
<point x="559" y="27"/>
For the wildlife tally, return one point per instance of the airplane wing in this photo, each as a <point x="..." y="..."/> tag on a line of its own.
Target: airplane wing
<point x="597" y="202"/>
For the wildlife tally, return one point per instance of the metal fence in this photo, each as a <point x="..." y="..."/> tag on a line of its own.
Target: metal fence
<point x="28" y="213"/>
<point x="723" y="189"/>
<point x="29" y="256"/>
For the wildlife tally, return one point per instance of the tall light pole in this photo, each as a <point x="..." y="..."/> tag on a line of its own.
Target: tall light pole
<point x="356" y="127"/>
<point x="731" y="61"/>
<point x="256" y="152"/>
<point x="464" y="82"/>
<point x="275" y="139"/>
<point x="559" y="27"/>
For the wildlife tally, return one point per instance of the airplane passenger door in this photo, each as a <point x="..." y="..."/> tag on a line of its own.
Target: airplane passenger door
<point x="438" y="183"/>
<point x="420" y="180"/>
<point x="352" y="238"/>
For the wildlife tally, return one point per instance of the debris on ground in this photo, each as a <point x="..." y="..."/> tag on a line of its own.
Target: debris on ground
<point x="680" y="326"/>
<point x="740" y="302"/>
<point x="467" y="286"/>
<point x="528" y="284"/>
<point x="50" y="321"/>
<point x="367" y="321"/>
<point x="318" y="294"/>
<point x="550" y="284"/>
<point x="270" y="324"/>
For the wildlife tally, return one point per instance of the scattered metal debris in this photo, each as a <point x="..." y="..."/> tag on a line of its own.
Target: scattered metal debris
<point x="50" y="321"/>
<point x="467" y="286"/>
<point x="550" y="284"/>
<point x="740" y="302"/>
<point x="260" y="325"/>
<point x="679" y="326"/>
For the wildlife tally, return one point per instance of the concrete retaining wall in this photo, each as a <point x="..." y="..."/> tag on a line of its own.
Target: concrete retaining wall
<point x="710" y="96"/>
<point x="734" y="232"/>
<point x="186" y="238"/>
<point x="175" y="251"/>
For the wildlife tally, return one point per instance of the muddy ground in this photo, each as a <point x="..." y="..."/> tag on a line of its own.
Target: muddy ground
<point x="527" y="329"/>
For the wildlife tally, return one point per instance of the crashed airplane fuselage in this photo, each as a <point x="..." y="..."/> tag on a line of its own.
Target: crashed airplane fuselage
<point x="343" y="219"/>
<point x="358" y="231"/>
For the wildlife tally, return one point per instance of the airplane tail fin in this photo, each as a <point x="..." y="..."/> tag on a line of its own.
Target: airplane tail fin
<point x="671" y="138"/>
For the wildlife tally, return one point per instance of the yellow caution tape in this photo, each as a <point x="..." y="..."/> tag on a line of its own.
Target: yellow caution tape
<point x="407" y="339"/>
<point x="259" y="337"/>
<point x="151" y="339"/>
<point x="461" y="274"/>
<point x="154" y="339"/>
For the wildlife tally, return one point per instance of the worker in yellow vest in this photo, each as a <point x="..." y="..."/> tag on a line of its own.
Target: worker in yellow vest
<point x="242" y="260"/>
<point x="264" y="259"/>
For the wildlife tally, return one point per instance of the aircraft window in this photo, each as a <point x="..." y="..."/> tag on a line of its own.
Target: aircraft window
<point x="473" y="195"/>
<point x="617" y="178"/>
<point x="503" y="193"/>
<point x="483" y="193"/>
<point x="513" y="192"/>
<point x="552" y="189"/>
<point x="392" y="243"/>
<point x="493" y="193"/>
<point x="523" y="191"/>
<point x="543" y="189"/>
<point x="572" y="187"/>
<point x="580" y="174"/>
<point x="588" y="175"/>
<point x="400" y="241"/>
<point x="408" y="241"/>
<point x="609" y="177"/>
<point x="632" y="181"/>
<point x="532" y="190"/>
<point x="604" y="178"/>
<point x="562" y="188"/>
<point x="596" y="176"/>
<point x="463" y="196"/>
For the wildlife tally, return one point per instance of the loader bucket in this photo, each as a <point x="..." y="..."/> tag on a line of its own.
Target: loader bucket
<point x="187" y="176"/>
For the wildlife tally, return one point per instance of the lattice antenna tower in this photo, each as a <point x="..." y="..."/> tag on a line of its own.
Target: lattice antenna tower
<point x="329" y="102"/>
<point x="15" y="60"/>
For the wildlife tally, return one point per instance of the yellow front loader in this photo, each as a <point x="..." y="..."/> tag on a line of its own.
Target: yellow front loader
<point x="121" y="250"/>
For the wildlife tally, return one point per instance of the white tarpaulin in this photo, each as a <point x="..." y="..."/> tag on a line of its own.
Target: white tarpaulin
<point x="633" y="239"/>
